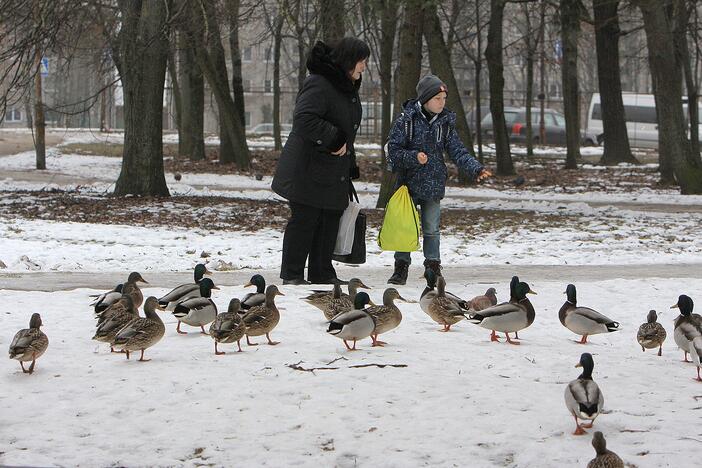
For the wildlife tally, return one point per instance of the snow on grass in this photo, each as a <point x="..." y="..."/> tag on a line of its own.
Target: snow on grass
<point x="460" y="401"/>
<point x="580" y="235"/>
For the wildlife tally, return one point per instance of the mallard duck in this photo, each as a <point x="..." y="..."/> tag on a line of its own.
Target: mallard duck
<point x="651" y="334"/>
<point x="355" y="324"/>
<point x="29" y="344"/>
<point x="228" y="327"/>
<point x="262" y="319"/>
<point x="507" y="317"/>
<point x="387" y="316"/>
<point x="687" y="325"/>
<point x="105" y="300"/>
<point x="696" y="354"/>
<point x="115" y="320"/>
<point x="336" y="304"/>
<point x="605" y="458"/>
<point x="141" y="333"/>
<point x="256" y="298"/>
<point x="583" y="320"/>
<point x="124" y="304"/>
<point x="197" y="311"/>
<point x="185" y="291"/>
<point x="442" y="309"/>
<point x="320" y="299"/>
<point x="131" y="288"/>
<point x="430" y="292"/>
<point x="583" y="397"/>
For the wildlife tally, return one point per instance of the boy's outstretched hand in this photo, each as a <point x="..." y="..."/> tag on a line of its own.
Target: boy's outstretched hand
<point x="484" y="174"/>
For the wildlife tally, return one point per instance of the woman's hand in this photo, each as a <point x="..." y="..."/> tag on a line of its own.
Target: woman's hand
<point x="484" y="174"/>
<point x="422" y="158"/>
<point x="341" y="151"/>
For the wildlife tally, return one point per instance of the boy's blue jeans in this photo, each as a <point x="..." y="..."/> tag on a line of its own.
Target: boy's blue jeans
<point x="430" y="211"/>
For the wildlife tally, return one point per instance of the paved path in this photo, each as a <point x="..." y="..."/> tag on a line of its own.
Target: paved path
<point x="376" y="277"/>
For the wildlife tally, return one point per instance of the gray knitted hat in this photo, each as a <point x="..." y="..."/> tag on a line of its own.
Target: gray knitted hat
<point x="428" y="87"/>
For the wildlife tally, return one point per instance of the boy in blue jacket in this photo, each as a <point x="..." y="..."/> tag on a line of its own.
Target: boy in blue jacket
<point x="418" y="139"/>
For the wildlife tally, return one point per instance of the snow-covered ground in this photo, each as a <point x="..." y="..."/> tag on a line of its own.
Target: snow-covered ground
<point x="455" y="399"/>
<point x="460" y="401"/>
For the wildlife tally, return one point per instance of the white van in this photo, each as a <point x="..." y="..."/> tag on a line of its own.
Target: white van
<point x="640" y="115"/>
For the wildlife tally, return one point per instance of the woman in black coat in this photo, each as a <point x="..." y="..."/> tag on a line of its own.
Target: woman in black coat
<point x="318" y="161"/>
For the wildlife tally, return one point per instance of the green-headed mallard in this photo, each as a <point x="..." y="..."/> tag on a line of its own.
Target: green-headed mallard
<point x="115" y="320"/>
<point x="320" y="299"/>
<point x="508" y="317"/>
<point x="651" y="334"/>
<point x="197" y="311"/>
<point x="355" y="324"/>
<point x="105" y="300"/>
<point x="605" y="458"/>
<point x="262" y="319"/>
<point x="141" y="333"/>
<point x="688" y="332"/>
<point x="185" y="291"/>
<point x="442" y="309"/>
<point x="583" y="397"/>
<point x="29" y="344"/>
<point x="687" y="325"/>
<point x="387" y="316"/>
<point x="229" y="326"/>
<point x="583" y="320"/>
<point x="430" y="292"/>
<point x="255" y="298"/>
<point x="130" y="288"/>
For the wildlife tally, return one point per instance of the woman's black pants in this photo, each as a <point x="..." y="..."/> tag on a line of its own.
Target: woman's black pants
<point x="311" y="232"/>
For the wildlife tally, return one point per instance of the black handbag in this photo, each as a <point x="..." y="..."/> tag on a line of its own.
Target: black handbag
<point x="358" y="249"/>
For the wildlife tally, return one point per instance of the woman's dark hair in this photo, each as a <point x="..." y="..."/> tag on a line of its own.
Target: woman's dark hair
<point x="348" y="51"/>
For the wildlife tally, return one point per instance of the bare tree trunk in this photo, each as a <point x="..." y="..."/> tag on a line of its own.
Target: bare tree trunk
<point x="177" y="94"/>
<point x="478" y="64"/>
<point x="141" y="53"/>
<point x="682" y="19"/>
<point x="440" y="62"/>
<point x="103" y="108"/>
<point x="232" y="8"/>
<point x="667" y="77"/>
<point x="192" y="90"/>
<point x="493" y="55"/>
<point x="406" y="76"/>
<point x="332" y="13"/>
<point x="531" y="44"/>
<point x="28" y="111"/>
<point x="39" y="123"/>
<point x="299" y="28"/>
<point x="210" y="58"/>
<point x="277" y="42"/>
<point x="616" y="138"/>
<point x="570" y="30"/>
<point x="542" y="73"/>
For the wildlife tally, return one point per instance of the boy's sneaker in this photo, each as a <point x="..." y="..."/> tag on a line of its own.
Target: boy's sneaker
<point x="433" y="265"/>
<point x="399" y="276"/>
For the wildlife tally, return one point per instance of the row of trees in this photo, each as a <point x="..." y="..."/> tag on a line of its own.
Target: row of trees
<point x="146" y="40"/>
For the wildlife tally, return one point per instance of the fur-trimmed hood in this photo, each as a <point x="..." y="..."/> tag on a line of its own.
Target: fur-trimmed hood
<point x="319" y="62"/>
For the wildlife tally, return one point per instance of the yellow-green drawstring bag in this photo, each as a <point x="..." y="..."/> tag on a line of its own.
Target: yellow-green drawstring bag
<point x="400" y="230"/>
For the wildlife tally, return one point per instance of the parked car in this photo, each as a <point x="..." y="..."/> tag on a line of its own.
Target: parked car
<point x="515" y="118"/>
<point x="266" y="129"/>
